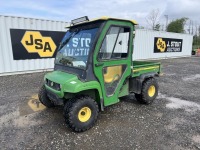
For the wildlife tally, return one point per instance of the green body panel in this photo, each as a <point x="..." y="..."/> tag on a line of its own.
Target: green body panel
<point x="124" y="90"/>
<point x="70" y="83"/>
<point x="108" y="100"/>
<point x="143" y="67"/>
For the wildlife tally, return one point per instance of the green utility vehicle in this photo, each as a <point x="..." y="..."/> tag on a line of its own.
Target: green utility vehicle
<point x="94" y="68"/>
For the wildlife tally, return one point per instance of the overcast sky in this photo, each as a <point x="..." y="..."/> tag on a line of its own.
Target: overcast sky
<point x="131" y="9"/>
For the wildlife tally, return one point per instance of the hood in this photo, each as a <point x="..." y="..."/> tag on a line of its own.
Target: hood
<point x="60" y="77"/>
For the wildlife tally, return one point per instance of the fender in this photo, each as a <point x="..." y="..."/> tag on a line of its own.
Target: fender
<point x="136" y="82"/>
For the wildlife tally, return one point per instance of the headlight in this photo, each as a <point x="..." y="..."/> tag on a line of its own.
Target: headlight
<point x="57" y="86"/>
<point x="53" y="85"/>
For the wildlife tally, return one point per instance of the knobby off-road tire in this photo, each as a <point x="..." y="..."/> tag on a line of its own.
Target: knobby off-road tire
<point x="149" y="91"/>
<point x="43" y="98"/>
<point x="81" y="113"/>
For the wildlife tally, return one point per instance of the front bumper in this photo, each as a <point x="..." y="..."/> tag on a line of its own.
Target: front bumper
<point x="54" y="98"/>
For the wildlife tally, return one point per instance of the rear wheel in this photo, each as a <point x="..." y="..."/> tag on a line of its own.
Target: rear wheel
<point x="149" y="91"/>
<point x="44" y="98"/>
<point x="81" y="113"/>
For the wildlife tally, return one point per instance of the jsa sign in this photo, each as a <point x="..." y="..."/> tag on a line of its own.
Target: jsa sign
<point x="29" y="44"/>
<point x="163" y="45"/>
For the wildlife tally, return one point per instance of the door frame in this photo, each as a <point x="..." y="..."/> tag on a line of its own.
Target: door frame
<point x="100" y="64"/>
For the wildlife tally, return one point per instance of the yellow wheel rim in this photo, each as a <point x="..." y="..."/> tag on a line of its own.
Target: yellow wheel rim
<point x="84" y="114"/>
<point x="151" y="91"/>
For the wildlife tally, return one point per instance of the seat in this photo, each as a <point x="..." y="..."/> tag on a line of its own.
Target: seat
<point x="112" y="74"/>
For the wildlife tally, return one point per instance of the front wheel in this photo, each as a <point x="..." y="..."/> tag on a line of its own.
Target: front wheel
<point x="81" y="113"/>
<point x="149" y="91"/>
<point x="43" y="98"/>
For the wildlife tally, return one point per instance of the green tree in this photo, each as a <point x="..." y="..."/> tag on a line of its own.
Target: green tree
<point x="196" y="40"/>
<point x="177" y="26"/>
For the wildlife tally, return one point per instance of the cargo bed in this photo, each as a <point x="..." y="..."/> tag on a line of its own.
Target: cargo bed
<point x="142" y="67"/>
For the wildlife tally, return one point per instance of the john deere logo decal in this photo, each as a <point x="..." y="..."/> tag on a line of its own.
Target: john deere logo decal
<point x="31" y="44"/>
<point x="34" y="42"/>
<point x="163" y="45"/>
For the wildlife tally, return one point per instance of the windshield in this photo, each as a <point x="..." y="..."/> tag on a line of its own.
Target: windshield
<point x="75" y="47"/>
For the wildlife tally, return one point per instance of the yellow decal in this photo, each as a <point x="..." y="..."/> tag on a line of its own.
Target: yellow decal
<point x="147" y="68"/>
<point x="35" y="104"/>
<point x="34" y="42"/>
<point x="161" y="45"/>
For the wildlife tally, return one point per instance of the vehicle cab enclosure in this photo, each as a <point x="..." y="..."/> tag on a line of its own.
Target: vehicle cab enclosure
<point x="95" y="59"/>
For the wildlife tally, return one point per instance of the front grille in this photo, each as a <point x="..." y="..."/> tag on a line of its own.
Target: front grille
<point x="53" y="85"/>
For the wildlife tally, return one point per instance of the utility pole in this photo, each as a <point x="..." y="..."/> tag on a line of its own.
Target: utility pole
<point x="162" y="27"/>
<point x="190" y="26"/>
<point x="166" y="16"/>
<point x="199" y="30"/>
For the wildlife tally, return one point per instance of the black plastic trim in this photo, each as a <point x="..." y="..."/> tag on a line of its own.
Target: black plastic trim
<point x="135" y="84"/>
<point x="56" y="100"/>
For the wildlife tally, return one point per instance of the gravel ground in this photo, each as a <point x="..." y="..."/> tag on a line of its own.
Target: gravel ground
<point x="171" y="122"/>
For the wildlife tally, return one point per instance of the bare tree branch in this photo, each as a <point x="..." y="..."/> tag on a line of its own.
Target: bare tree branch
<point x="153" y="18"/>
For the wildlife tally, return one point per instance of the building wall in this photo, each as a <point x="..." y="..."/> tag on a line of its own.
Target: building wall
<point x="10" y="66"/>
<point x="144" y="44"/>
